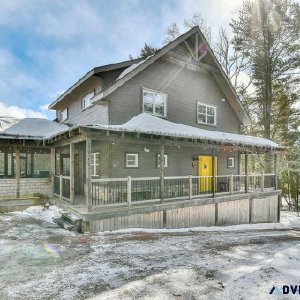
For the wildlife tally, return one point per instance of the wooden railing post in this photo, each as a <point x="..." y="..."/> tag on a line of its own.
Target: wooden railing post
<point x="262" y="182"/>
<point x="275" y="171"/>
<point x="18" y="171"/>
<point x="190" y="187"/>
<point x="52" y="164"/>
<point x="231" y="184"/>
<point x="247" y="172"/>
<point x="129" y="190"/>
<point x="88" y="179"/>
<point x="60" y="187"/>
<point x="213" y="173"/>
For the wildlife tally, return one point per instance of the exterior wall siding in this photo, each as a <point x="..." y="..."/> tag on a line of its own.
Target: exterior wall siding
<point x="28" y="187"/>
<point x="184" y="88"/>
<point x="96" y="114"/>
<point x="112" y="160"/>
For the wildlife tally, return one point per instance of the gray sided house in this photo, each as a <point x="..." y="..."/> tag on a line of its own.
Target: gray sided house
<point x="152" y="142"/>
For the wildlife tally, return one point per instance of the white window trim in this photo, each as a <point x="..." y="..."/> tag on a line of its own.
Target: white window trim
<point x="207" y="105"/>
<point x="136" y="165"/>
<point x="67" y="114"/>
<point x="94" y="164"/>
<point x="157" y="92"/>
<point x="91" y="94"/>
<point x="165" y="160"/>
<point x="231" y="162"/>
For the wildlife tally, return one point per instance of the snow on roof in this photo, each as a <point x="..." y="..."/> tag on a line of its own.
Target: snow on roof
<point x="145" y="123"/>
<point x="132" y="67"/>
<point x="35" y="128"/>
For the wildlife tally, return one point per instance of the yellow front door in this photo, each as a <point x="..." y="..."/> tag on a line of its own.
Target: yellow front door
<point x="205" y="169"/>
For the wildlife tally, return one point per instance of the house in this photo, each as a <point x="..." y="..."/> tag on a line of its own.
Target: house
<point x="156" y="142"/>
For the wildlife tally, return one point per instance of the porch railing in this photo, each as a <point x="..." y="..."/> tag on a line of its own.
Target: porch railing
<point x="114" y="191"/>
<point x="62" y="187"/>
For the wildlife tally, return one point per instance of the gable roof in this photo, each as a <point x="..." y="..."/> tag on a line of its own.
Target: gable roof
<point x="95" y="71"/>
<point x="221" y="78"/>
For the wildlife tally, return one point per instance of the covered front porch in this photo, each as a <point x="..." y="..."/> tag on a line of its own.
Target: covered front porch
<point x="89" y="173"/>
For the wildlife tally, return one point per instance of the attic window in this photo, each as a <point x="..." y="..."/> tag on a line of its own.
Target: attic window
<point x="87" y="100"/>
<point x="155" y="103"/>
<point x="206" y="114"/>
<point x="64" y="115"/>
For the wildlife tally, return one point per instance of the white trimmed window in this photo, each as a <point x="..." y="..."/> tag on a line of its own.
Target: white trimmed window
<point x="165" y="160"/>
<point x="155" y="103"/>
<point x="87" y="100"/>
<point x="206" y="114"/>
<point x="64" y="115"/>
<point x="231" y="162"/>
<point x="95" y="164"/>
<point x="132" y="160"/>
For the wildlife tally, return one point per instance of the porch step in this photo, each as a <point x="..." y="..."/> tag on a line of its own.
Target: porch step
<point x="68" y="221"/>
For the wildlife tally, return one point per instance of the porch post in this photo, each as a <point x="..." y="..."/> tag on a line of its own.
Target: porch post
<point x="72" y="173"/>
<point x="17" y="170"/>
<point x="52" y="167"/>
<point x="247" y="172"/>
<point x="88" y="153"/>
<point x="162" y="167"/>
<point x="213" y="153"/>
<point x="275" y="171"/>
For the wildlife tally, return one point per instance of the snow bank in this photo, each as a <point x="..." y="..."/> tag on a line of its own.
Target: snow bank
<point x="36" y="212"/>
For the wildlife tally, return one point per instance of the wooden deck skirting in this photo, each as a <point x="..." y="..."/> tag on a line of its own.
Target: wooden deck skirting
<point x="253" y="207"/>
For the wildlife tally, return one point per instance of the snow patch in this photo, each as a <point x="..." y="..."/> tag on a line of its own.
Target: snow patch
<point x="36" y="212"/>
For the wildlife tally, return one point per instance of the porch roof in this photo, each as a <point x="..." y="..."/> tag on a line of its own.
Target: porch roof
<point x="147" y="124"/>
<point x="29" y="128"/>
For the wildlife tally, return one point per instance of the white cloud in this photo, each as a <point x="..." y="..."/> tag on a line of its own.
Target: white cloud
<point x="18" y="112"/>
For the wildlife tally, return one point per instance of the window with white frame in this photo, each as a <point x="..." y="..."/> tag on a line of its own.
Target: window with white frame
<point x="87" y="100"/>
<point x="155" y="103"/>
<point x="231" y="162"/>
<point x="165" y="161"/>
<point x="95" y="164"/>
<point x="206" y="114"/>
<point x="132" y="160"/>
<point x="64" y="115"/>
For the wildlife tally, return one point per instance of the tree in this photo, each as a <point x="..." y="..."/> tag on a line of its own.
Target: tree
<point x="146" y="51"/>
<point x="267" y="34"/>
<point x="196" y="20"/>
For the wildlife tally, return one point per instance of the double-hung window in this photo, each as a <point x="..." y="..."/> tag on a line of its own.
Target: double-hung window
<point x="132" y="160"/>
<point x="95" y="164"/>
<point x="206" y="114"/>
<point x="87" y="100"/>
<point x="165" y="161"/>
<point x="155" y="103"/>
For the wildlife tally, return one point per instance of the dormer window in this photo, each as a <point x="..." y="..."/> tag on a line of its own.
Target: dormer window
<point x="64" y="115"/>
<point x="206" y="114"/>
<point x="155" y="103"/>
<point x="87" y="100"/>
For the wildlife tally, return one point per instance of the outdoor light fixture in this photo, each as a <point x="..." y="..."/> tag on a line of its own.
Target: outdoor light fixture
<point x="146" y="149"/>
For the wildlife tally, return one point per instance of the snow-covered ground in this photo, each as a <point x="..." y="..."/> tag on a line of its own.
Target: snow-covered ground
<point x="38" y="260"/>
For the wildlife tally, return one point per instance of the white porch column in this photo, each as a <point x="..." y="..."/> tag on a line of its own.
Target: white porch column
<point x="88" y="181"/>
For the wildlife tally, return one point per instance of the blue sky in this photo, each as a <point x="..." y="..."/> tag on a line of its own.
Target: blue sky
<point x="45" y="46"/>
